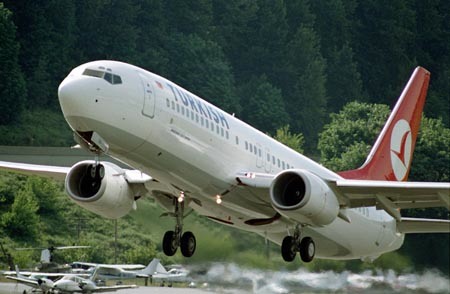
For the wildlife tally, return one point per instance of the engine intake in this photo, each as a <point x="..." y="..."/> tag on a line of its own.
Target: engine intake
<point x="304" y="197"/>
<point x="104" y="192"/>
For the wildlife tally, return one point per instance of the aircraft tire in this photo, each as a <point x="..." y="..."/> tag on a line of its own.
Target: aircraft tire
<point x="188" y="244"/>
<point x="307" y="249"/>
<point x="288" y="250"/>
<point x="169" y="244"/>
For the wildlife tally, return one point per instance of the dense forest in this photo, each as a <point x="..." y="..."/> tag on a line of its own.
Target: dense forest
<point x="281" y="66"/>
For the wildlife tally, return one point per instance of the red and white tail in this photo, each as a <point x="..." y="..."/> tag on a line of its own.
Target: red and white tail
<point x="391" y="156"/>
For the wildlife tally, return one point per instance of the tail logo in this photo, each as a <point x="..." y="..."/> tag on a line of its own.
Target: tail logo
<point x="401" y="146"/>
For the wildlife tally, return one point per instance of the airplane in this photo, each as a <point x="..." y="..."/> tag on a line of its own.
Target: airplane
<point x="46" y="263"/>
<point x="119" y="272"/>
<point x="190" y="155"/>
<point x="36" y="281"/>
<point x="176" y="273"/>
<point x="77" y="284"/>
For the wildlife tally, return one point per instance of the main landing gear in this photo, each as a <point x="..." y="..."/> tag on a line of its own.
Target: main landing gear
<point x="293" y="244"/>
<point x="176" y="238"/>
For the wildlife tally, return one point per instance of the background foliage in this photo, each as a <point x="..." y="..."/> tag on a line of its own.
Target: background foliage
<point x="272" y="63"/>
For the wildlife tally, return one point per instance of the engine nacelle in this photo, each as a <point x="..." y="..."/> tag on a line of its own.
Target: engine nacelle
<point x="109" y="196"/>
<point x="304" y="197"/>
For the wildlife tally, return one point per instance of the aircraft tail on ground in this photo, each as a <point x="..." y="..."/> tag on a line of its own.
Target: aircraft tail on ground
<point x="153" y="267"/>
<point x="391" y="156"/>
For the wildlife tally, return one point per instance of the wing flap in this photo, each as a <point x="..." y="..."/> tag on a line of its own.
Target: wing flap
<point x="396" y="195"/>
<point x="419" y="225"/>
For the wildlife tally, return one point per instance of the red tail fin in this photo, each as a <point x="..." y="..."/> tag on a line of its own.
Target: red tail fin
<point x="391" y="156"/>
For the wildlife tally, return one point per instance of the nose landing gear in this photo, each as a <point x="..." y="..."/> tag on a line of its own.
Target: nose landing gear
<point x="176" y="238"/>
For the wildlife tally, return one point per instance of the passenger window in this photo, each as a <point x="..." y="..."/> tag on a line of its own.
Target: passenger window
<point x="273" y="160"/>
<point x="206" y="123"/>
<point x="246" y="145"/>
<point x="221" y="132"/>
<point x="237" y="140"/>
<point x="227" y="135"/>
<point x="168" y="103"/>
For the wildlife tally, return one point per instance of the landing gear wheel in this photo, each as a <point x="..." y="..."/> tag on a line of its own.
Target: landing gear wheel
<point x="307" y="249"/>
<point x="288" y="248"/>
<point x="188" y="244"/>
<point x="169" y="243"/>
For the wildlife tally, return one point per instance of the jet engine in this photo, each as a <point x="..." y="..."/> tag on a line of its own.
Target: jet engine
<point x="303" y="197"/>
<point x="100" y="188"/>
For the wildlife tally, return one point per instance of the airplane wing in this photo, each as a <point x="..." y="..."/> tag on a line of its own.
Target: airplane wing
<point x="390" y="196"/>
<point x="113" y="288"/>
<point x="50" y="162"/>
<point x="29" y="282"/>
<point x="55" y="162"/>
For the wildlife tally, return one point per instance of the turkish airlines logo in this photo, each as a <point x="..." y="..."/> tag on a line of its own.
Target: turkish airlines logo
<point x="401" y="146"/>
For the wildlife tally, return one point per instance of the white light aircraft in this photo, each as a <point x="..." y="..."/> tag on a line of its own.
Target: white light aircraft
<point x="36" y="281"/>
<point x="77" y="284"/>
<point x="187" y="153"/>
<point x="119" y="272"/>
<point x="46" y="262"/>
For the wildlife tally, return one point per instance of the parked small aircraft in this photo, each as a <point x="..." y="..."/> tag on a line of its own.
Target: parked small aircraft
<point x="77" y="284"/>
<point x="37" y="280"/>
<point x="46" y="263"/>
<point x="118" y="271"/>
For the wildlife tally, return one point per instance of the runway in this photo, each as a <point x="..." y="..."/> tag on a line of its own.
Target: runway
<point x="13" y="288"/>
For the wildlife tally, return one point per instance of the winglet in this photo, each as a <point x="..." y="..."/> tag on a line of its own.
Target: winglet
<point x="391" y="156"/>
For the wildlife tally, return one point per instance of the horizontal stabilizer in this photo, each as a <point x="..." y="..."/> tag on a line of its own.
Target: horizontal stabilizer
<point x="421" y="225"/>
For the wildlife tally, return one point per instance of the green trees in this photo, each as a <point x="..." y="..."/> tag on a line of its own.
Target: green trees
<point x="346" y="140"/>
<point x="294" y="141"/>
<point x="12" y="86"/>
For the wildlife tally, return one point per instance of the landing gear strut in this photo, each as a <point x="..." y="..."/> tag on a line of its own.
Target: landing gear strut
<point x="293" y="244"/>
<point x="176" y="238"/>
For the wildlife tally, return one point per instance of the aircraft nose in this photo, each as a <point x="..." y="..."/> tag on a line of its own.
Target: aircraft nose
<point x="67" y="94"/>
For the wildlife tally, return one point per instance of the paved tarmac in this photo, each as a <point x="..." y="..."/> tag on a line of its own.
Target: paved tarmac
<point x="13" y="288"/>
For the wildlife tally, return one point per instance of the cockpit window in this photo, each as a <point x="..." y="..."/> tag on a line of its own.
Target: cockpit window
<point x="117" y="79"/>
<point x="93" y="73"/>
<point x="109" y="77"/>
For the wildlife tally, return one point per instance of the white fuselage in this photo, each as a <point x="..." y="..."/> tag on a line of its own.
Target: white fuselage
<point x="192" y="146"/>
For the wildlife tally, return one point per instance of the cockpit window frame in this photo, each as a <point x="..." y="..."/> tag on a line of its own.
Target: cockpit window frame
<point x="108" y="76"/>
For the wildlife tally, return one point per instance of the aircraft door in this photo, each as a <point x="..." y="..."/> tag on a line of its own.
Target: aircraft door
<point x="148" y="108"/>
